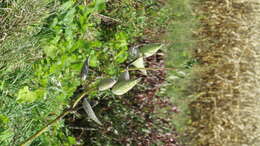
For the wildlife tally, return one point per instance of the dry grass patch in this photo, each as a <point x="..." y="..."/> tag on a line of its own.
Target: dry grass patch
<point x="226" y="112"/>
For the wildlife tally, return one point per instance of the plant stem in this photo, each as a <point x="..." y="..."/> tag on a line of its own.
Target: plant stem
<point x="66" y="112"/>
<point x="154" y="69"/>
<point x="37" y="134"/>
<point x="75" y="103"/>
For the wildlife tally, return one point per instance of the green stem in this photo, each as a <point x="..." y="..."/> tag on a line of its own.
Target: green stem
<point x="66" y="112"/>
<point x="75" y="103"/>
<point x="37" y="134"/>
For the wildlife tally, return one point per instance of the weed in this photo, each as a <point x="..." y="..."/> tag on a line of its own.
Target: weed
<point x="36" y="84"/>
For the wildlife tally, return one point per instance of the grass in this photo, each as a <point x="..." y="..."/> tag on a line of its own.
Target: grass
<point x="20" y="21"/>
<point x="180" y="56"/>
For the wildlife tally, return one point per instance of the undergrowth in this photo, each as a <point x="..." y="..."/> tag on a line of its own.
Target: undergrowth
<point x="41" y="58"/>
<point x="20" y="21"/>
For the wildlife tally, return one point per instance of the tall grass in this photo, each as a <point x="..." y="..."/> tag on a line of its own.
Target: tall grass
<point x="20" y="21"/>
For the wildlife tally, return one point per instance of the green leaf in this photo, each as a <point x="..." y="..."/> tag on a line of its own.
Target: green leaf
<point x="3" y="120"/>
<point x="69" y="17"/>
<point x="139" y="63"/>
<point x="100" y="5"/>
<point x="106" y="84"/>
<point x="5" y="132"/>
<point x="25" y="95"/>
<point x="123" y="87"/>
<point x="79" y="44"/>
<point x="72" y="140"/>
<point x="64" y="7"/>
<point x="110" y="69"/>
<point x="121" y="56"/>
<point x="50" y="50"/>
<point x="151" y="49"/>
<point x="93" y="62"/>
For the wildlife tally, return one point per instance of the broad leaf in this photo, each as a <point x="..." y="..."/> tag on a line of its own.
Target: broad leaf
<point x="50" y="50"/>
<point x="25" y="95"/>
<point x="93" y="62"/>
<point x="100" y="5"/>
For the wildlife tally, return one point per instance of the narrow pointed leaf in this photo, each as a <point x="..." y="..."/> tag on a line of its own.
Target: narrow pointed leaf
<point x="84" y="70"/>
<point x="88" y="109"/>
<point x="139" y="63"/>
<point x="151" y="49"/>
<point x="123" y="87"/>
<point x="106" y="84"/>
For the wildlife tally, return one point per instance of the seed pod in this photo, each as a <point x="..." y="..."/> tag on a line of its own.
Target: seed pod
<point x="106" y="84"/>
<point x="134" y="51"/>
<point x="151" y="49"/>
<point x="124" y="76"/>
<point x="84" y="70"/>
<point x="88" y="109"/>
<point x="123" y="87"/>
<point x="139" y="63"/>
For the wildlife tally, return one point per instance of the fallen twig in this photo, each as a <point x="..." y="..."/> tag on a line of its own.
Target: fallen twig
<point x="154" y="69"/>
<point x="107" y="18"/>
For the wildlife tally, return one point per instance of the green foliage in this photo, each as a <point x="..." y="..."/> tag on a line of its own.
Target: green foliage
<point x="5" y="131"/>
<point x="25" y="95"/>
<point x="37" y="89"/>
